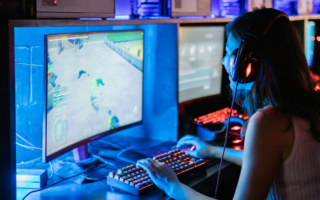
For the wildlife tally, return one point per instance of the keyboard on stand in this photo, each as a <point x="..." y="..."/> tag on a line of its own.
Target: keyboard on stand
<point x="136" y="180"/>
<point x="219" y="116"/>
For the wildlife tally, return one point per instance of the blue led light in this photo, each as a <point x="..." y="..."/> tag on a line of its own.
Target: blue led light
<point x="231" y="16"/>
<point x="155" y="17"/>
<point x="191" y="17"/>
<point x="290" y="7"/>
<point x="89" y="18"/>
<point x="122" y="17"/>
<point x="309" y="46"/>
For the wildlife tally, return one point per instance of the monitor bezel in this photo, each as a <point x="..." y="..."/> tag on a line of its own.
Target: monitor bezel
<point x="190" y="101"/>
<point x="67" y="149"/>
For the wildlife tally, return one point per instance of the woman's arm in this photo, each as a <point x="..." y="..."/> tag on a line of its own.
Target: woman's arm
<point x="205" y="150"/>
<point x="180" y="191"/>
<point x="231" y="155"/>
<point x="263" y="151"/>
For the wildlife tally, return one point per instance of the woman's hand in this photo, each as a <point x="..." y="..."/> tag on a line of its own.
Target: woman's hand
<point x="202" y="149"/>
<point x="161" y="174"/>
<point x="164" y="177"/>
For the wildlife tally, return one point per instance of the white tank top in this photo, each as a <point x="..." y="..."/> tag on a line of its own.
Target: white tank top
<point x="299" y="176"/>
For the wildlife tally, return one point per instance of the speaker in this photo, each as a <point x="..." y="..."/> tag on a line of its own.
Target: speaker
<point x="75" y="8"/>
<point x="190" y="8"/>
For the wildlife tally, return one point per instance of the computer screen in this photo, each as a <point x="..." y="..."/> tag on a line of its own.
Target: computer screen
<point x="200" y="61"/>
<point x="310" y="40"/>
<point x="94" y="87"/>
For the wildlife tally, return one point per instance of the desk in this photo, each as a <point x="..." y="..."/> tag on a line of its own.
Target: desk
<point x="203" y="181"/>
<point x="67" y="190"/>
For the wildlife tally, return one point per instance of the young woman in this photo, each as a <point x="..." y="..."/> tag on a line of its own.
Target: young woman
<point x="281" y="157"/>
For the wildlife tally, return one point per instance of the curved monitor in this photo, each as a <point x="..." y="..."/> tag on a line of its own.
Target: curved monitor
<point x="94" y="87"/>
<point x="200" y="55"/>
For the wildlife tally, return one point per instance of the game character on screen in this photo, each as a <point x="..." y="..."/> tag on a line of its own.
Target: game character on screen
<point x="60" y="47"/>
<point x="82" y="72"/>
<point x="99" y="81"/>
<point x="49" y="60"/>
<point x="113" y="121"/>
<point x="51" y="76"/>
<point x="93" y="97"/>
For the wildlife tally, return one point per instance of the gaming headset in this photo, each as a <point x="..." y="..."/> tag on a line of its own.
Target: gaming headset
<point x="244" y="61"/>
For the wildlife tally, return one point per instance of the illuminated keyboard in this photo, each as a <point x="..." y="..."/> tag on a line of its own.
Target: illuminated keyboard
<point x="219" y="116"/>
<point x="135" y="180"/>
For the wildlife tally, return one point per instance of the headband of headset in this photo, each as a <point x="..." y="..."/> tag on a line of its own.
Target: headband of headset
<point x="244" y="61"/>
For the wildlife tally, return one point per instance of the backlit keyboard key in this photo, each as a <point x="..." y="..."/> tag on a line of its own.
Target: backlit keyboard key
<point x="110" y="174"/>
<point x="138" y="186"/>
<point x="136" y="180"/>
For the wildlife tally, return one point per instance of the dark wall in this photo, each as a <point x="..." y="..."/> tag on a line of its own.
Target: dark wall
<point x="7" y="119"/>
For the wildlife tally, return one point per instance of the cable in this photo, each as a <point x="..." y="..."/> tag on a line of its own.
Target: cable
<point x="87" y="170"/>
<point x="104" y="161"/>
<point x="32" y="147"/>
<point x="30" y="161"/>
<point x="112" y="144"/>
<point x="51" y="170"/>
<point x="29" y="147"/>
<point x="225" y="140"/>
<point x="24" y="139"/>
<point x="123" y="158"/>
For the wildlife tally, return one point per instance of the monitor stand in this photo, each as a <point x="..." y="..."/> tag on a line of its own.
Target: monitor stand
<point x="81" y="161"/>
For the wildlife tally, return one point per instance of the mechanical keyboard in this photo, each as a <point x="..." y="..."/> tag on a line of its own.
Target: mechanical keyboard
<point x="219" y="116"/>
<point x="136" y="180"/>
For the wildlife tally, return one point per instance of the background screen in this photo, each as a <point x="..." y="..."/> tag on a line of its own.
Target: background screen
<point x="94" y="84"/>
<point x="200" y="58"/>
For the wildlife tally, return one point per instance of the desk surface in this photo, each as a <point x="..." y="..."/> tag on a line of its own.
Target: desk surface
<point x="203" y="181"/>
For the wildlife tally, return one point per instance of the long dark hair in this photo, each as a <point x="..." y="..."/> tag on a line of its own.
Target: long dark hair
<point x="284" y="81"/>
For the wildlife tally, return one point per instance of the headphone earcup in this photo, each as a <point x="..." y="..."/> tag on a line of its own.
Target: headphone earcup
<point x="233" y="65"/>
<point x="244" y="62"/>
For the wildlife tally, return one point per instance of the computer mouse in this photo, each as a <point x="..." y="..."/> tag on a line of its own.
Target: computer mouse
<point x="235" y="120"/>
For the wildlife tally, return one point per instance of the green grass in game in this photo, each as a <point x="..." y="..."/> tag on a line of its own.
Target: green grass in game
<point x="125" y="36"/>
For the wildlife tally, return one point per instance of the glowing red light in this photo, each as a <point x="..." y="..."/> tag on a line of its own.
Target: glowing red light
<point x="236" y="141"/>
<point x="313" y="38"/>
<point x="317" y="87"/>
<point x="235" y="128"/>
<point x="192" y="148"/>
<point x="315" y="77"/>
<point x="318" y="38"/>
<point x="248" y="70"/>
<point x="237" y="148"/>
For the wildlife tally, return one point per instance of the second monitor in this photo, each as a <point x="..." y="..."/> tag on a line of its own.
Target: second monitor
<point x="200" y="55"/>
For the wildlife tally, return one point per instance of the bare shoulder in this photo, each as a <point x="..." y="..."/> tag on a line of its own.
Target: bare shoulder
<point x="271" y="129"/>
<point x="270" y="119"/>
<point x="263" y="153"/>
